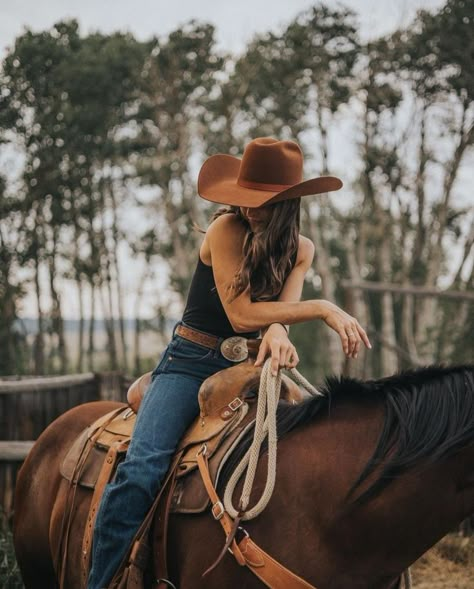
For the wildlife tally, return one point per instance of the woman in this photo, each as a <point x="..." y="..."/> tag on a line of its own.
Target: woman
<point x="248" y="281"/>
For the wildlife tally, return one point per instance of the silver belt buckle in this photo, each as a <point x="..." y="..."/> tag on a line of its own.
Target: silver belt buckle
<point x="235" y="348"/>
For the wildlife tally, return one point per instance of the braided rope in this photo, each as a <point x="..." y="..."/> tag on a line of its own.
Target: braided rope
<point x="301" y="380"/>
<point x="265" y="426"/>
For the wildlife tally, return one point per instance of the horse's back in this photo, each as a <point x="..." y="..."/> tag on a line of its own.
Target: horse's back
<point x="37" y="498"/>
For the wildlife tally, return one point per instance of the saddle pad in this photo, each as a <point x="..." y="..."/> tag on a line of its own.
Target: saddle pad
<point x="118" y="430"/>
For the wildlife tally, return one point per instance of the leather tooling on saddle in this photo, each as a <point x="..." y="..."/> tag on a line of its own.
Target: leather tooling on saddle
<point x="224" y="400"/>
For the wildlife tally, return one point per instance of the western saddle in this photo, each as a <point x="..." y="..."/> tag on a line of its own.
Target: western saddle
<point x="227" y="411"/>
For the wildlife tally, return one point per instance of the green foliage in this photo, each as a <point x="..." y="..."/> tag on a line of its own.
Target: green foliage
<point x="9" y="572"/>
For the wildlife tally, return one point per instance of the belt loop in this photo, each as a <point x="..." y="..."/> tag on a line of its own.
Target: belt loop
<point x="175" y="328"/>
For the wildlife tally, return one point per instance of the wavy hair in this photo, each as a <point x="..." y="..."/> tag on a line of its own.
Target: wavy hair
<point x="269" y="255"/>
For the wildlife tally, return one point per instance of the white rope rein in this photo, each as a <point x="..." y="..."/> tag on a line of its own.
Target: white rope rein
<point x="265" y="426"/>
<point x="407" y="578"/>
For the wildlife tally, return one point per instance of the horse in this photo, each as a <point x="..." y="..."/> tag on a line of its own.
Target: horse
<point x="369" y="476"/>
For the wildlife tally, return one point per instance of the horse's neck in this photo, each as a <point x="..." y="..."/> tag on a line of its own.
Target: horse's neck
<point x="377" y="540"/>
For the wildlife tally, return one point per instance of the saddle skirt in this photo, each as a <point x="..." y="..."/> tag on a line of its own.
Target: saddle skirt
<point x="227" y="402"/>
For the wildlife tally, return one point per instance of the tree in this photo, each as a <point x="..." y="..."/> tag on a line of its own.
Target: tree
<point x="179" y="74"/>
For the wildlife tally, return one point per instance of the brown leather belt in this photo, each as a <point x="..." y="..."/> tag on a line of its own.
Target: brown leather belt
<point x="235" y="348"/>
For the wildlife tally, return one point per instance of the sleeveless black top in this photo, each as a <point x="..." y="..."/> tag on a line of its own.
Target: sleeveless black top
<point x="204" y="310"/>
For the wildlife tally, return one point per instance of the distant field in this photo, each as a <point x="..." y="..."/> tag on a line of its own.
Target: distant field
<point x="152" y="344"/>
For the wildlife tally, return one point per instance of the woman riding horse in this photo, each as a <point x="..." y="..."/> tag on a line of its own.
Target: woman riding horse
<point x="369" y="476"/>
<point x="248" y="280"/>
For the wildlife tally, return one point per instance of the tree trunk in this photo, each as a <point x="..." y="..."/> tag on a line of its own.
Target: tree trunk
<point x="324" y="136"/>
<point x="356" y="306"/>
<point x="115" y="263"/>
<point x="38" y="348"/>
<point x="106" y="279"/>
<point x="56" y="313"/>
<point x="91" y="347"/>
<point x="109" y="322"/>
<point x="80" y="336"/>
<point x="138" y="305"/>
<point x="136" y="346"/>
<point x="388" y="357"/>
<point x="328" y="288"/>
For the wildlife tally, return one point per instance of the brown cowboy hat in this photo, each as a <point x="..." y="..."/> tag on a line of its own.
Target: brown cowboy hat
<point x="269" y="171"/>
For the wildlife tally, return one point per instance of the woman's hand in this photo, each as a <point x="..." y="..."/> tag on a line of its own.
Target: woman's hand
<point x="275" y="342"/>
<point x="348" y="328"/>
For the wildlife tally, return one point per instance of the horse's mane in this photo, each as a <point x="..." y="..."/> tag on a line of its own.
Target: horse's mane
<point x="429" y="413"/>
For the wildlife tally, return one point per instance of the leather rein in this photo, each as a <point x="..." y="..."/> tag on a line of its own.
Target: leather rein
<point x="246" y="552"/>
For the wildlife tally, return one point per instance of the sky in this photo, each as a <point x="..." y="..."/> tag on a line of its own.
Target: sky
<point x="236" y="23"/>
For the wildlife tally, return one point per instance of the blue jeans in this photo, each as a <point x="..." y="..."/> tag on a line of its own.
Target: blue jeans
<point x="169" y="406"/>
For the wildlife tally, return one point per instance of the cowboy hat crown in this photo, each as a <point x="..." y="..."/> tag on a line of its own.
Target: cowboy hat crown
<point x="269" y="171"/>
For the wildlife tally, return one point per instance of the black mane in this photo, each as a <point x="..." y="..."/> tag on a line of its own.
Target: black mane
<point x="429" y="413"/>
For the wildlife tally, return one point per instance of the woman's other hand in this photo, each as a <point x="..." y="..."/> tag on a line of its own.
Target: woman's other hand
<point x="347" y="327"/>
<point x="275" y="343"/>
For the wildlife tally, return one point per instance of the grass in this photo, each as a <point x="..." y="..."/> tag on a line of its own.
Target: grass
<point x="448" y="565"/>
<point x="9" y="572"/>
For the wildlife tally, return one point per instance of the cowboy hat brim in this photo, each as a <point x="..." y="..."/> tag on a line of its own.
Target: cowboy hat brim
<point x="217" y="182"/>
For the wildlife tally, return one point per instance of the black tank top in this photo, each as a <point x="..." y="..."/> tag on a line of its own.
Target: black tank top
<point x="204" y="310"/>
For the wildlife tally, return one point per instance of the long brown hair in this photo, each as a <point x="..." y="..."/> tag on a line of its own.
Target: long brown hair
<point x="269" y="255"/>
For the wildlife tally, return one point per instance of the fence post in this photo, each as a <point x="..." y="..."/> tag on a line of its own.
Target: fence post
<point x="111" y="386"/>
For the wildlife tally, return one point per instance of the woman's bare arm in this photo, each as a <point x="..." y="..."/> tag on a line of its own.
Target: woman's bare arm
<point x="225" y="238"/>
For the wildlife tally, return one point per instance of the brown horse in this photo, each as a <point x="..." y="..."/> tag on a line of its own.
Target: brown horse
<point x="369" y="478"/>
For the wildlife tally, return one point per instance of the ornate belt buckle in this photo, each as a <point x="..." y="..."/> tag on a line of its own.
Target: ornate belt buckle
<point x="235" y="348"/>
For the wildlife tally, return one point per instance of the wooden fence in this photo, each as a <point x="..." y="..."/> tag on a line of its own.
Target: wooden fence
<point x="29" y="405"/>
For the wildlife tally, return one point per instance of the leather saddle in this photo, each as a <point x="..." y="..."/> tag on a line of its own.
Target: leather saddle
<point x="227" y="402"/>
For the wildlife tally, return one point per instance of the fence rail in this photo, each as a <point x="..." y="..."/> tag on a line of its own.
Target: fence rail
<point x="15" y="451"/>
<point x="45" y="383"/>
<point x="28" y="405"/>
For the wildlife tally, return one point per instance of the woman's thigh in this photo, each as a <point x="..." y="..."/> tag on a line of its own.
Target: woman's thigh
<point x="170" y="403"/>
<point x="168" y="408"/>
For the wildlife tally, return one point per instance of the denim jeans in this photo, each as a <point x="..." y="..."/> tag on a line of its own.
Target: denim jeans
<point x="169" y="406"/>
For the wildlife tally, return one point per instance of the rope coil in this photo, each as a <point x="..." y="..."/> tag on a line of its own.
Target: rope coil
<point x="265" y="426"/>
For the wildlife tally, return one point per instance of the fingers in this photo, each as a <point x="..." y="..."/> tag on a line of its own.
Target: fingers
<point x="283" y="355"/>
<point x="344" y="339"/>
<point x="353" y="341"/>
<point x="357" y="336"/>
<point x="292" y="358"/>
<point x="352" y="336"/>
<point x="262" y="353"/>
<point x="276" y="359"/>
<point x="287" y="357"/>
<point x="364" y="336"/>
